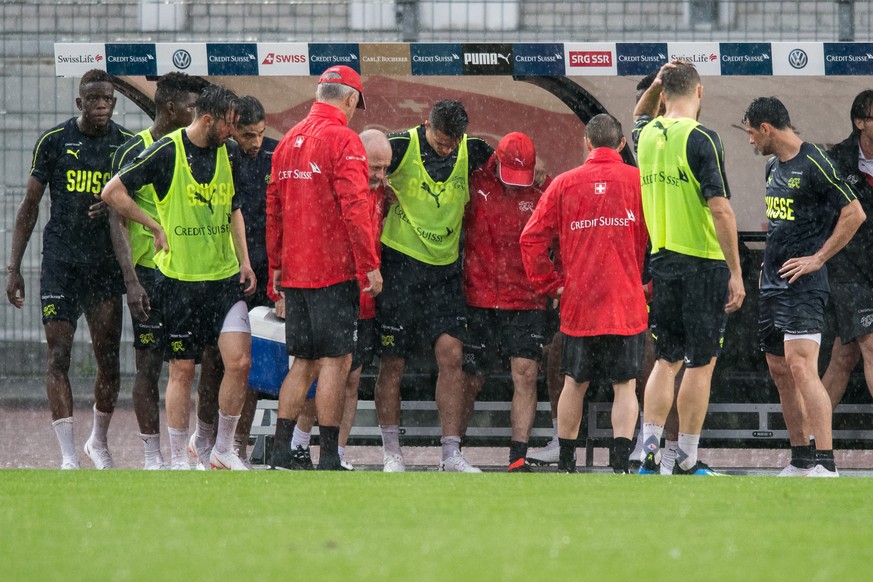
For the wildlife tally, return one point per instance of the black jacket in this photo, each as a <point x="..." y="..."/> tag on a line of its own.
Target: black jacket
<point x="854" y="263"/>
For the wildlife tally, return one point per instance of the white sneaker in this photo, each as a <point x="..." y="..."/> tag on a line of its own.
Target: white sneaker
<point x="243" y="458"/>
<point x="180" y="466"/>
<point x="100" y="457"/>
<point x="547" y="455"/>
<point x="792" y="471"/>
<point x="68" y="464"/>
<point x="393" y="464"/>
<point x="346" y="465"/>
<point x="197" y="458"/>
<point x="820" y="471"/>
<point x="458" y="464"/>
<point x="228" y="460"/>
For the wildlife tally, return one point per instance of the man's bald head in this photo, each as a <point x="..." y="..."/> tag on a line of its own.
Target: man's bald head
<point x="378" y="155"/>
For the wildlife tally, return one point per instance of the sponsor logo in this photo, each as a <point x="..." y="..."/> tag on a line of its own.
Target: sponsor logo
<point x="232" y="59"/>
<point x="324" y="56"/>
<point x="314" y="167"/>
<point x="487" y="59"/>
<point x="654" y="58"/>
<point x="640" y="58"/>
<point x="279" y="58"/>
<point x="435" y="194"/>
<point x="695" y="58"/>
<point x="334" y="59"/>
<point x="630" y="215"/>
<point x="600" y="187"/>
<point x="745" y="58"/>
<point x="603" y="221"/>
<point x="484" y="194"/>
<point x="181" y="59"/>
<point x="129" y="58"/>
<point x="298" y="142"/>
<point x="591" y="58"/>
<point x="849" y="58"/>
<point x="80" y="58"/>
<point x="74" y="153"/>
<point x="798" y="59"/>
<point x="538" y="59"/>
<point x="223" y="59"/>
<point x="436" y="59"/>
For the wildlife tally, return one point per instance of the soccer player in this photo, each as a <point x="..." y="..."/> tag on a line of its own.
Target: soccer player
<point x="812" y="213"/>
<point x="506" y="315"/>
<point x="429" y="173"/>
<point x="134" y="248"/>
<point x="79" y="274"/>
<point x="695" y="262"/>
<point x="595" y="212"/>
<point x="254" y="169"/>
<point x="850" y="273"/>
<point x="320" y="247"/>
<point x="202" y="261"/>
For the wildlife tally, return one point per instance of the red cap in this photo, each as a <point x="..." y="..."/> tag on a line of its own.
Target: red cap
<point x="517" y="158"/>
<point x="344" y="76"/>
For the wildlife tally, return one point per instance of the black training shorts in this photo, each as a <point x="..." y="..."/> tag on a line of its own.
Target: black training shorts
<point x="784" y="312"/>
<point x="419" y="302"/>
<point x="149" y="334"/>
<point x="194" y="312"/>
<point x="496" y="334"/>
<point x="323" y="322"/>
<point x="67" y="290"/>
<point x="603" y="358"/>
<point x="687" y="316"/>
<point x="853" y="305"/>
<point x="366" y="345"/>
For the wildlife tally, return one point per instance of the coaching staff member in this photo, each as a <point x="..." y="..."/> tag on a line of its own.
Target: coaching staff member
<point x="320" y="245"/>
<point x="78" y="273"/>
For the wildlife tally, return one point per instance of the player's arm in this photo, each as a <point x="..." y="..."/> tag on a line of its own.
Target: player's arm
<point x="274" y="227"/>
<point x="238" y="232"/>
<point x="851" y="217"/>
<point x="650" y="101"/>
<point x="350" y="182"/>
<point x="116" y="195"/>
<point x="725" y="223"/>
<point x="25" y="221"/>
<point x="536" y="238"/>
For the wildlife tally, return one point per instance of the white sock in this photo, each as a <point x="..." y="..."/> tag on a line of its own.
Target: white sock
<point x="652" y="434"/>
<point x="299" y="439"/>
<point x="638" y="446"/>
<point x="100" y="428"/>
<point x="151" y="444"/>
<point x="226" y="430"/>
<point x="686" y="454"/>
<point x="451" y="446"/>
<point x="668" y="459"/>
<point x="241" y="445"/>
<point x="391" y="439"/>
<point x="203" y="435"/>
<point x="555" y="426"/>
<point x="178" y="445"/>
<point x="341" y="451"/>
<point x="64" y="431"/>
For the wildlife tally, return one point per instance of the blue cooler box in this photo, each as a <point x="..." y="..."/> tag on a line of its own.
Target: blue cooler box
<point x="270" y="359"/>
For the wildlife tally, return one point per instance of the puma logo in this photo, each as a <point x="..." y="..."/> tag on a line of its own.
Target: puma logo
<point x="74" y="153"/>
<point x="434" y="195"/>
<point x="484" y="194"/>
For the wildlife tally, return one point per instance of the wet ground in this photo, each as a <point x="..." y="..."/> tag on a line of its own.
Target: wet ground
<point x="29" y="441"/>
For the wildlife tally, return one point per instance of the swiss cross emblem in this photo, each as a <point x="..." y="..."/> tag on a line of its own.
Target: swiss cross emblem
<point x="600" y="187"/>
<point x="298" y="142"/>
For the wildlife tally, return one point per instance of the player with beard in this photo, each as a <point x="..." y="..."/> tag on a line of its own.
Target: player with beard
<point x="79" y="274"/>
<point x="812" y="213"/>
<point x="202" y="261"/>
<point x="134" y="247"/>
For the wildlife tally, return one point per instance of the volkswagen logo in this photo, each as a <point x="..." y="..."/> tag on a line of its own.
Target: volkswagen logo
<point x="182" y="59"/>
<point x="797" y="58"/>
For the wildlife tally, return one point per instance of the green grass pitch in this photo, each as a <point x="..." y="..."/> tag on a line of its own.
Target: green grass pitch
<point x="266" y="525"/>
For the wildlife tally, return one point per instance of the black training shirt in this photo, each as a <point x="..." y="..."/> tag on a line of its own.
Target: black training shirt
<point x="438" y="167"/>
